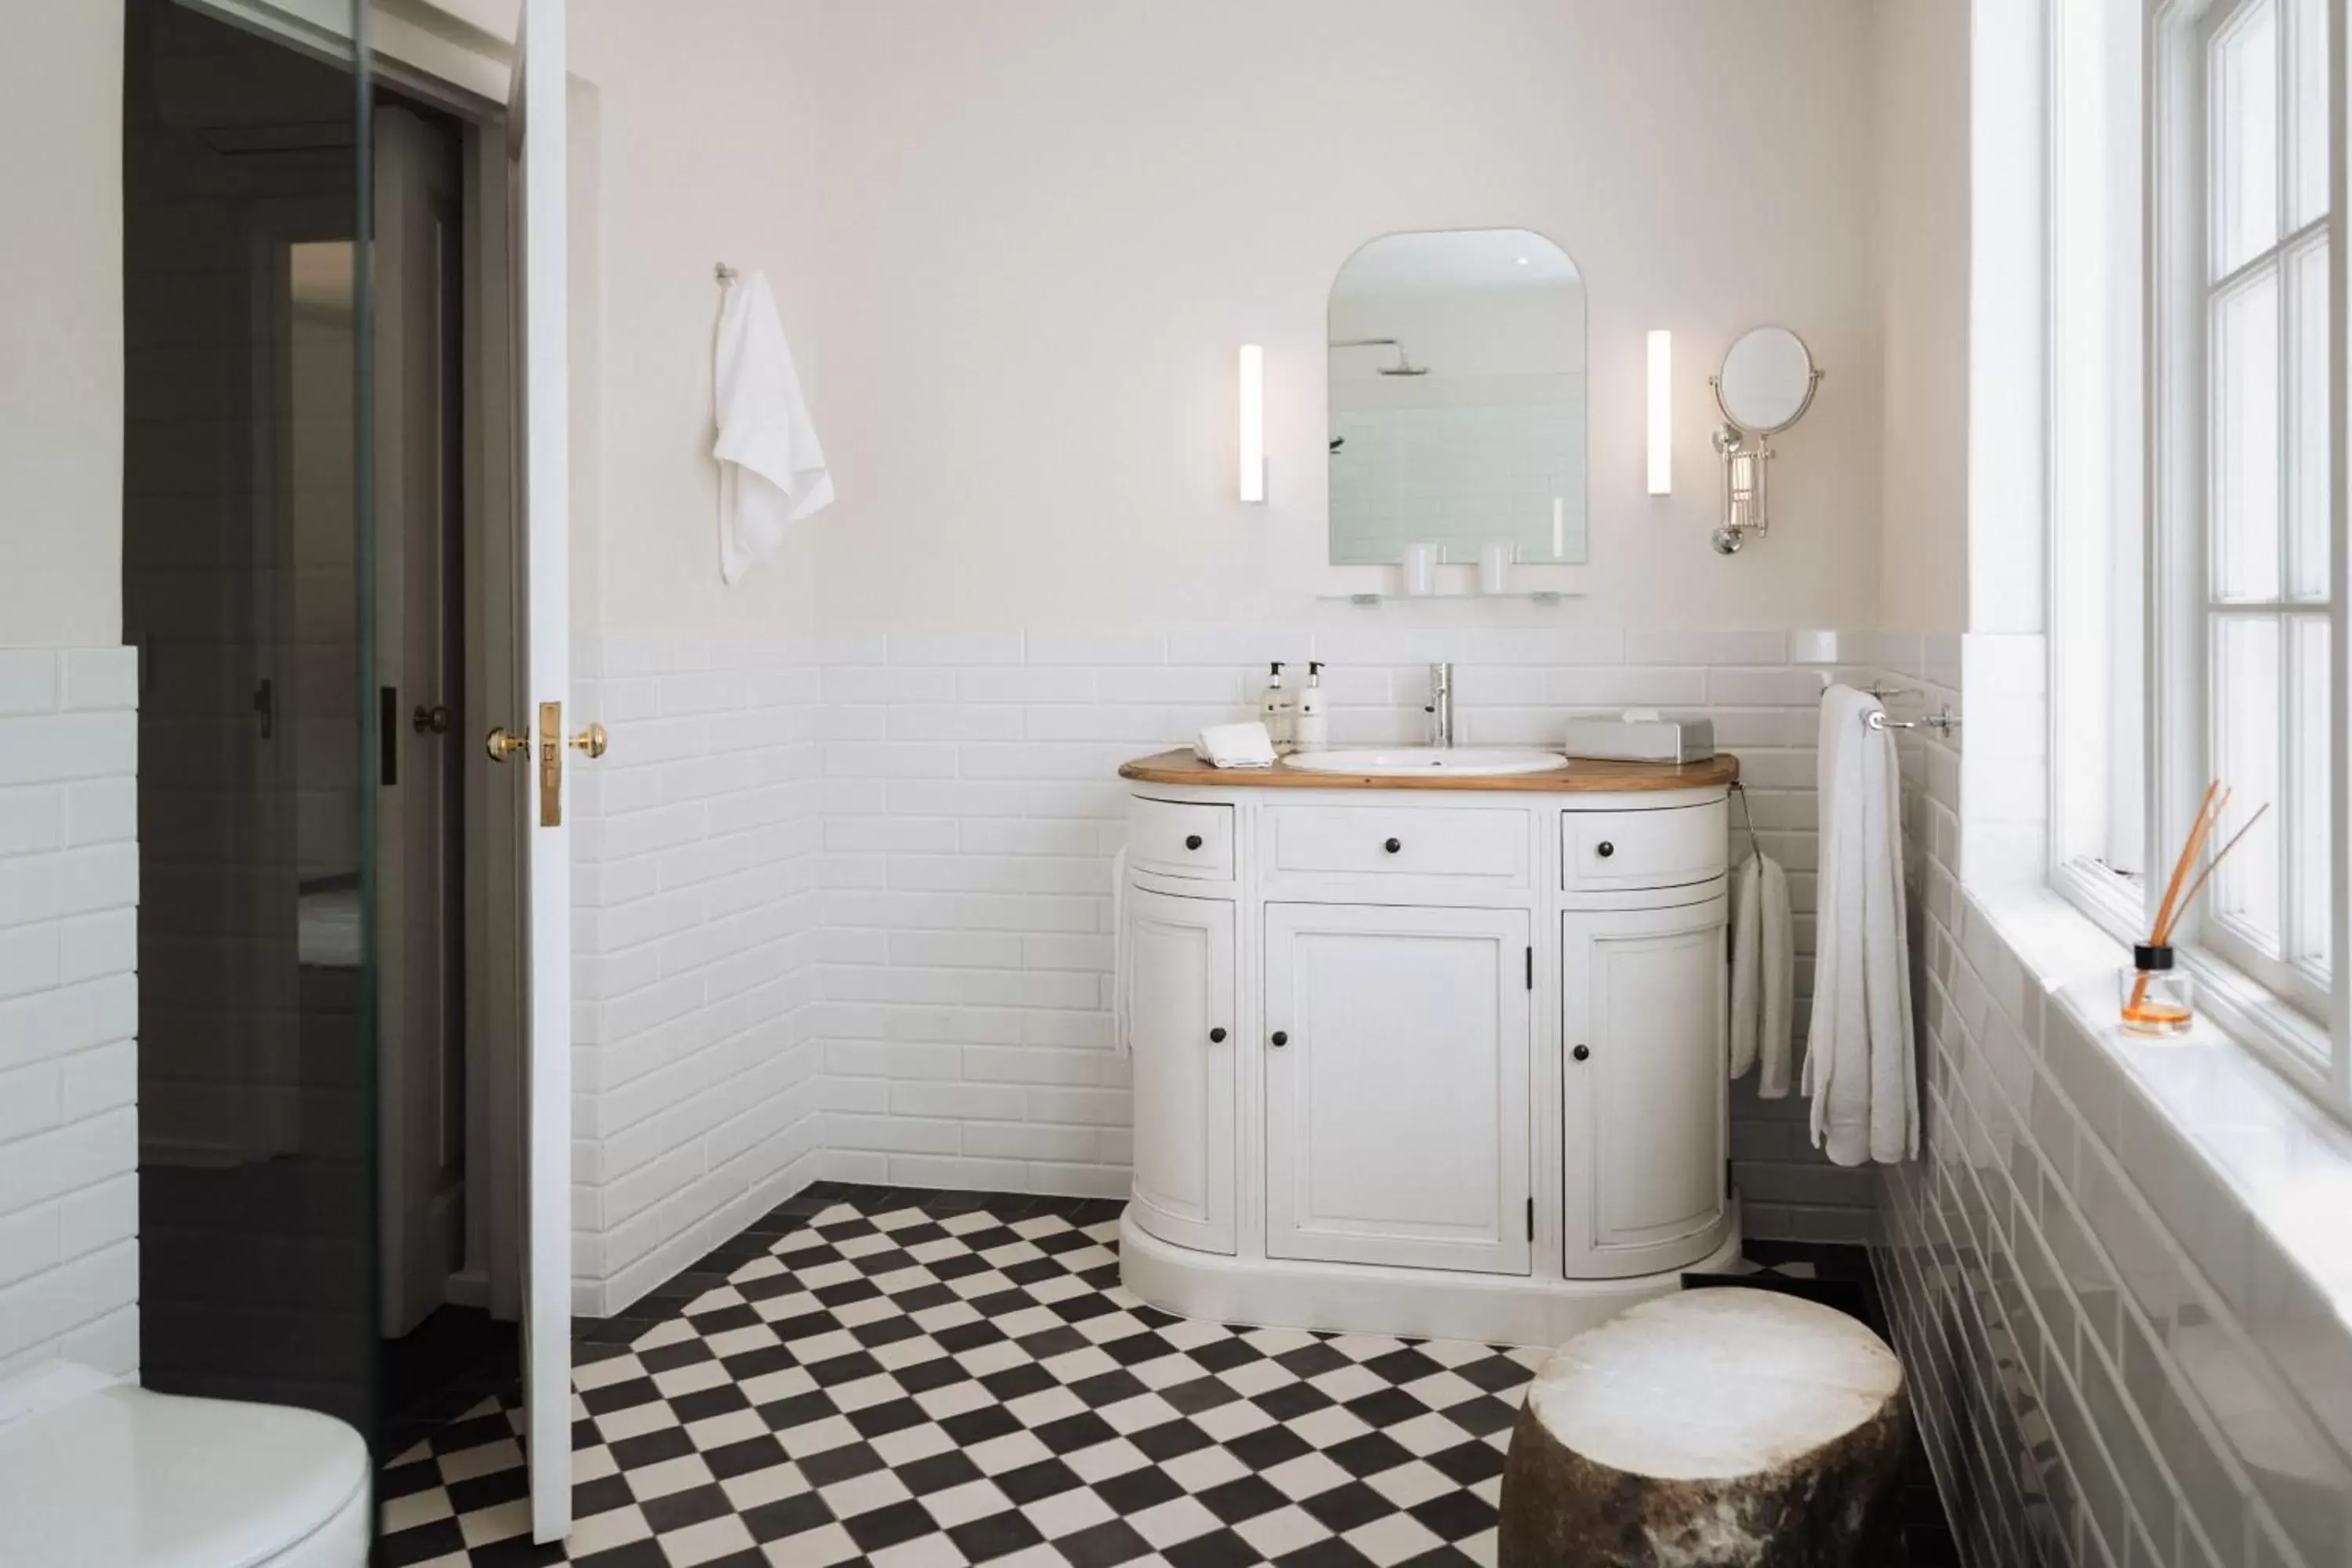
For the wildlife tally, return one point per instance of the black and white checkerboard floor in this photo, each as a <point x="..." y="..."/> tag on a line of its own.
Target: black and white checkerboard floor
<point x="921" y="1379"/>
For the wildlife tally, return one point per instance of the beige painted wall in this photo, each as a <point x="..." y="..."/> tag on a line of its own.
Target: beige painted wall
<point x="1922" y="183"/>
<point x="1048" y="225"/>
<point x="61" y="325"/>
<point x="706" y="139"/>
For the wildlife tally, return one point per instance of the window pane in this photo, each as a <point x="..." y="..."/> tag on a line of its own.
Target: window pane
<point x="2306" y="421"/>
<point x="2245" y="452"/>
<point x="2309" y="830"/>
<point x="2246" y="755"/>
<point x="2308" y="113"/>
<point x="2242" y="108"/>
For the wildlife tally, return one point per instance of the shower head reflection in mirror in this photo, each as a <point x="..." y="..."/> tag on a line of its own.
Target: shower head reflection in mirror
<point x="1457" y="398"/>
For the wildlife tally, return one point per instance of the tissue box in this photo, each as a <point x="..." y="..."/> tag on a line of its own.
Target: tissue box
<point x="1643" y="739"/>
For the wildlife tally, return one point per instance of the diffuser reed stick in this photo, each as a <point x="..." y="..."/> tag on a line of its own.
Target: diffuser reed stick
<point x="2189" y="878"/>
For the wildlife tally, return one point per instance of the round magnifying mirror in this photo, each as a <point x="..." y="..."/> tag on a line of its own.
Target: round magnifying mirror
<point x="1767" y="382"/>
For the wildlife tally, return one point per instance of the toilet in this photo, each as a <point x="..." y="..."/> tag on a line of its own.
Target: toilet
<point x="96" y="1473"/>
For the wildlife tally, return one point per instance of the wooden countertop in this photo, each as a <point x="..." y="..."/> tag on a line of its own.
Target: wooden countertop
<point x="1571" y="777"/>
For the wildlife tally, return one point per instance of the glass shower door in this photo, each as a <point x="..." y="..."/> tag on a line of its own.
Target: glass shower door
<point x="246" y="586"/>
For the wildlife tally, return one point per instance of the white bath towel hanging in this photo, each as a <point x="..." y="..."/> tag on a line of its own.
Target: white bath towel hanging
<point x="1763" y="974"/>
<point x="771" y="471"/>
<point x="1859" y="1056"/>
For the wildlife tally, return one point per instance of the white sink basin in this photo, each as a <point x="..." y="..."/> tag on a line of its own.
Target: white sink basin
<point x="1421" y="762"/>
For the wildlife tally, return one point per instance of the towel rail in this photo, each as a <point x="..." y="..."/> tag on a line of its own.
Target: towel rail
<point x="1943" y="721"/>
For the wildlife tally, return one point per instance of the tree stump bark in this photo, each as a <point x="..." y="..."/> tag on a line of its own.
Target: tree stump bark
<point x="1718" y="1428"/>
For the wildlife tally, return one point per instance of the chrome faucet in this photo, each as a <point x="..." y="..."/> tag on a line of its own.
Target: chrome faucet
<point x="1440" y="707"/>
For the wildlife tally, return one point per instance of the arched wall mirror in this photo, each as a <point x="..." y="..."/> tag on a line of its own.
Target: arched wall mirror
<point x="1457" y="398"/>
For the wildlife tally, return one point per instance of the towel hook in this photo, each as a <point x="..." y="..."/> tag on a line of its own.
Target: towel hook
<point x="1748" y="819"/>
<point x="725" y="274"/>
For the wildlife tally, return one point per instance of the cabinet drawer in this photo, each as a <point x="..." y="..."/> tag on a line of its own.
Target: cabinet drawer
<point x="1176" y="838"/>
<point x="1663" y="848"/>
<point x="1403" y="841"/>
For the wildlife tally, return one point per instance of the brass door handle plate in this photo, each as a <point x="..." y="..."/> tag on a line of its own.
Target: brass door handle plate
<point x="502" y="746"/>
<point x="589" y="743"/>
<point x="432" y="720"/>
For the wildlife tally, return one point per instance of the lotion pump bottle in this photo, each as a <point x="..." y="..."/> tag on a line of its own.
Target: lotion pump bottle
<point x="1312" y="732"/>
<point x="1276" y="710"/>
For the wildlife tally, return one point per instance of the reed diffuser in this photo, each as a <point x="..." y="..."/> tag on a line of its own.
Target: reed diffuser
<point x="2158" y="1000"/>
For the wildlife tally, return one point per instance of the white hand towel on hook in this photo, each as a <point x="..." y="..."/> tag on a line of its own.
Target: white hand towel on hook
<point x="1763" y="973"/>
<point x="1860" y="1060"/>
<point x="772" y="470"/>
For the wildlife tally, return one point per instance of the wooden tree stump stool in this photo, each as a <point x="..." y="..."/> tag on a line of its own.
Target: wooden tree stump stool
<point x="1708" y="1429"/>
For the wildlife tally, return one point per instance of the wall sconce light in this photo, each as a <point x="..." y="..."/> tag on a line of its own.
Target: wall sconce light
<point x="1252" y="432"/>
<point x="1661" y="413"/>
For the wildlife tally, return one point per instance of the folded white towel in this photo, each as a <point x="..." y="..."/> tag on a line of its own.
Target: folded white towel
<point x="772" y="470"/>
<point x="1763" y="974"/>
<point x="1859" y="1054"/>
<point x="1235" y="746"/>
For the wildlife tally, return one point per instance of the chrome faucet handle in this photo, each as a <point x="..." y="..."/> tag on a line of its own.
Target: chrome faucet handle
<point x="1440" y="706"/>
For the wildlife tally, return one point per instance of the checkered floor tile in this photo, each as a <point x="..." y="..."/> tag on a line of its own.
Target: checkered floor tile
<point x="956" y="1381"/>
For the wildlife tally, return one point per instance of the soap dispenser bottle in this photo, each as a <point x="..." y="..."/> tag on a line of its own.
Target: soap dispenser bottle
<point x="1275" y="709"/>
<point x="1312" y="731"/>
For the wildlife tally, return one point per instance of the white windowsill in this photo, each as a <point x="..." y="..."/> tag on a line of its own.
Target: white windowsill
<point x="2287" y="1040"/>
<point x="2277" y="1153"/>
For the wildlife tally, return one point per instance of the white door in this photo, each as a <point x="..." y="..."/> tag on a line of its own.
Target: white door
<point x="419" y="1054"/>
<point x="1182" y="1012"/>
<point x="1644" y="1040"/>
<point x="1396" y="1086"/>
<point x="536" y="145"/>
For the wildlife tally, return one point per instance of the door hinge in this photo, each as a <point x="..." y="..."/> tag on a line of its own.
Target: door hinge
<point x="1531" y="976"/>
<point x="1531" y="1219"/>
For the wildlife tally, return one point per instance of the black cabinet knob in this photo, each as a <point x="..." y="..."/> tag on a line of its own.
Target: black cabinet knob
<point x="1394" y="844"/>
<point x="1607" y="849"/>
<point x="1581" y="1052"/>
<point x="1281" y="1038"/>
<point x="1191" y="841"/>
<point x="1216" y="1037"/>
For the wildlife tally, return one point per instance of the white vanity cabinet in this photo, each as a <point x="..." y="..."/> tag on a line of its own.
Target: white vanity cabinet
<point x="1184" y="1006"/>
<point x="1644" y="1006"/>
<point x="1392" y="1029"/>
<point x="1438" y="1060"/>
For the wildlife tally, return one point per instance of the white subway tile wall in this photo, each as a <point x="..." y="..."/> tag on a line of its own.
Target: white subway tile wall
<point x="694" y="894"/>
<point x="68" y="1007"/>
<point x="971" y="811"/>
<point x="2114" y="1358"/>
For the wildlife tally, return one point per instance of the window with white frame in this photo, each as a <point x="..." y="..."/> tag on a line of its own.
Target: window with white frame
<point x="2096" y="458"/>
<point x="2267" y="614"/>
<point x="2197" y="536"/>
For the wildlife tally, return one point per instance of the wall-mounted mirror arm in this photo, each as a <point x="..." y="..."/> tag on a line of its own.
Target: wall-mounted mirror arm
<point x="1767" y="384"/>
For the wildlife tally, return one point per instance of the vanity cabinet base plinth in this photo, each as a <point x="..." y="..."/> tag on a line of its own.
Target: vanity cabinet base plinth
<point x="1355" y="1298"/>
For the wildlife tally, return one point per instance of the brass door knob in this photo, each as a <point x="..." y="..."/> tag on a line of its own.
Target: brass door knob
<point x="502" y="745"/>
<point x="432" y="720"/>
<point x="588" y="742"/>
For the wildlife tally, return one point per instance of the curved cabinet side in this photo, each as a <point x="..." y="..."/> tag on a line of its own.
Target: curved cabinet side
<point x="1182" y="992"/>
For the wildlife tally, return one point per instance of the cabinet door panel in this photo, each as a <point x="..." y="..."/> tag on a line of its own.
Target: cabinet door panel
<point x="1396" y="1108"/>
<point x="1645" y="994"/>
<point x="1180" y="992"/>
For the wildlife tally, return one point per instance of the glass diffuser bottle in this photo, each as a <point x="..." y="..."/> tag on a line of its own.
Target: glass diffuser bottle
<point x="2158" y="1000"/>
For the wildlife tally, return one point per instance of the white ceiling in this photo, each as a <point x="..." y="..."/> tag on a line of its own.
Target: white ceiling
<point x="1451" y="261"/>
